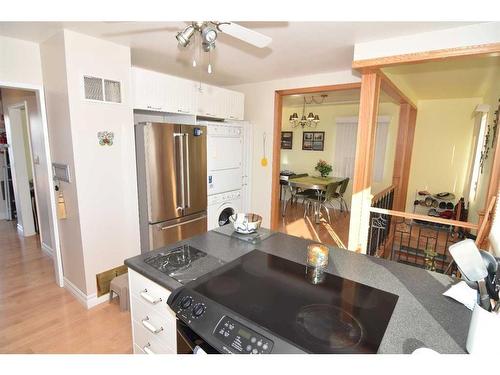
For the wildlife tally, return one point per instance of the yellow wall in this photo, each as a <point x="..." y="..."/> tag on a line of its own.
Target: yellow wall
<point x="491" y="97"/>
<point x="442" y="146"/>
<point x="301" y="161"/>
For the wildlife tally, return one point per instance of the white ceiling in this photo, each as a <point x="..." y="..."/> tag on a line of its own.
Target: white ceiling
<point x="298" y="48"/>
<point x="465" y="77"/>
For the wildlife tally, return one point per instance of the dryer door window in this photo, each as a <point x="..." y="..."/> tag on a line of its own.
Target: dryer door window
<point x="224" y="216"/>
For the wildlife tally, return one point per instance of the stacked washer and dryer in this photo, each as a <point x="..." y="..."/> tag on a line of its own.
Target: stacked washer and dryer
<point x="227" y="165"/>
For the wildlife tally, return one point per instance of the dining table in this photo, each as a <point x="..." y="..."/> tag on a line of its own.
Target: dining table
<point x="315" y="183"/>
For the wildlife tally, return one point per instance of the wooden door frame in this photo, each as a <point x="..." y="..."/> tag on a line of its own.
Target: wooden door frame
<point x="369" y="67"/>
<point x="40" y="98"/>
<point x="278" y="118"/>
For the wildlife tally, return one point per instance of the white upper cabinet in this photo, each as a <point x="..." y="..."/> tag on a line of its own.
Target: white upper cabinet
<point x="154" y="91"/>
<point x="209" y="102"/>
<point x="220" y="103"/>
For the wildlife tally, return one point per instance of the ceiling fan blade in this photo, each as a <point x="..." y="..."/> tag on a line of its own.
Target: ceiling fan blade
<point x="249" y="36"/>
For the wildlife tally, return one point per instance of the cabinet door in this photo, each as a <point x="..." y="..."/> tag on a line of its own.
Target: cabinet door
<point x="180" y="95"/>
<point x="147" y="90"/>
<point x="235" y="101"/>
<point x="207" y="101"/>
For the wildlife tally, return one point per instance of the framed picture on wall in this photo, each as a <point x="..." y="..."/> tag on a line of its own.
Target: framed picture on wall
<point x="313" y="141"/>
<point x="286" y="140"/>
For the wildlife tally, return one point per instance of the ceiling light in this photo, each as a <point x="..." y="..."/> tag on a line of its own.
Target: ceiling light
<point x="311" y="120"/>
<point x="209" y="34"/>
<point x="184" y="36"/>
<point x="207" y="46"/>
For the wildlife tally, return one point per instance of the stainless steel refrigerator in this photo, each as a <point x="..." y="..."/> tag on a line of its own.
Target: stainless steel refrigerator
<point x="172" y="182"/>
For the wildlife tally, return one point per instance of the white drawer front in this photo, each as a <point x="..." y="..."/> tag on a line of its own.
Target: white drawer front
<point x="149" y="292"/>
<point x="159" y="326"/>
<point x="146" y="343"/>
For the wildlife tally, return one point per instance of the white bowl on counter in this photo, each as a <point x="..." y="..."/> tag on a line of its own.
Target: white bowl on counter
<point x="246" y="223"/>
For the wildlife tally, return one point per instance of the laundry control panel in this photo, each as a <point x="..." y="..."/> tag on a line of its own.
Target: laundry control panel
<point x="240" y="339"/>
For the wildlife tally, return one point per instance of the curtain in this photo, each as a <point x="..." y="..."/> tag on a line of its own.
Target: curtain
<point x="345" y="147"/>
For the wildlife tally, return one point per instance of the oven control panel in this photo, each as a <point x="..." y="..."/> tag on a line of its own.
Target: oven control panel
<point x="240" y="339"/>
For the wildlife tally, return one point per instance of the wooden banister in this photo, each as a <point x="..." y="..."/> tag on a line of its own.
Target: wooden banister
<point x="380" y="194"/>
<point x="485" y="223"/>
<point x="437" y="220"/>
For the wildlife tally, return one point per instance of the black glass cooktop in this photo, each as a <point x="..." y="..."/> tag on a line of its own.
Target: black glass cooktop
<point x="317" y="312"/>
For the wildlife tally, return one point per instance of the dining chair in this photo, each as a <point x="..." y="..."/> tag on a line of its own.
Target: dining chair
<point x="295" y="194"/>
<point x="324" y="199"/>
<point x="340" y="195"/>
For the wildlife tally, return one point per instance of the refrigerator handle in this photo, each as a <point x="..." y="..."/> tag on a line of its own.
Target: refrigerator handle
<point x="181" y="158"/>
<point x="188" y="182"/>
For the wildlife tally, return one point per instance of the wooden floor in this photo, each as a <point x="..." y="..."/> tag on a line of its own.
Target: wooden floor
<point x="335" y="233"/>
<point x="36" y="316"/>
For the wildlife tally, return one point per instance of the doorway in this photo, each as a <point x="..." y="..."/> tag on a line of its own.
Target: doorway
<point x="298" y="142"/>
<point x="26" y="148"/>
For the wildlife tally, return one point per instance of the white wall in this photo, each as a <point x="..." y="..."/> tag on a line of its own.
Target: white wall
<point x="259" y="110"/>
<point x="20" y="61"/>
<point x="59" y="124"/>
<point x="105" y="176"/>
<point x="484" y="33"/>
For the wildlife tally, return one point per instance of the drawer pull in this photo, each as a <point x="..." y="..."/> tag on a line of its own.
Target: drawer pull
<point x="151" y="328"/>
<point x="147" y="349"/>
<point x="148" y="297"/>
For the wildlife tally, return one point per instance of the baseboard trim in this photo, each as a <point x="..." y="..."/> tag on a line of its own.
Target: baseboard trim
<point x="87" y="301"/>
<point x="3" y="215"/>
<point x="47" y="250"/>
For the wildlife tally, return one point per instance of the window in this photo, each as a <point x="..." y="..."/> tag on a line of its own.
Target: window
<point x="345" y="147"/>
<point x="481" y="125"/>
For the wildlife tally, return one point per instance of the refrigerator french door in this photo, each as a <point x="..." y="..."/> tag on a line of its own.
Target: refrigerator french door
<point x="172" y="175"/>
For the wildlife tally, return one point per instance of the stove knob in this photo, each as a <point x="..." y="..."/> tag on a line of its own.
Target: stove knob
<point x="186" y="302"/>
<point x="198" y="310"/>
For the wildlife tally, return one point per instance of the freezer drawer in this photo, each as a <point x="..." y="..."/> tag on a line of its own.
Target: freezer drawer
<point x="172" y="231"/>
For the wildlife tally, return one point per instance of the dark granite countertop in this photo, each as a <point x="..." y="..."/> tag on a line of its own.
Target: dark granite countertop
<point x="423" y="317"/>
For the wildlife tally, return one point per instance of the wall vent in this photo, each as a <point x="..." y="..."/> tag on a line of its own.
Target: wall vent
<point x="112" y="92"/>
<point x="93" y="88"/>
<point x="102" y="90"/>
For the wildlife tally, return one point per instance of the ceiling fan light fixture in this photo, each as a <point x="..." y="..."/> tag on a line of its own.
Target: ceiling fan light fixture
<point x="207" y="47"/>
<point x="184" y="37"/>
<point x="208" y="34"/>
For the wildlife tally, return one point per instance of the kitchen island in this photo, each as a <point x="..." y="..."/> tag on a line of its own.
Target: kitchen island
<point x="423" y="317"/>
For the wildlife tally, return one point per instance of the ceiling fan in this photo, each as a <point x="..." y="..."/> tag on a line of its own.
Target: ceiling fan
<point x="208" y="32"/>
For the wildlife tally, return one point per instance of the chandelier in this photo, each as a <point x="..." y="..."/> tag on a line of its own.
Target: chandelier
<point x="312" y="120"/>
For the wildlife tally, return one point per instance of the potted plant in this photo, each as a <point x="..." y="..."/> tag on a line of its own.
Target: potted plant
<point x="323" y="168"/>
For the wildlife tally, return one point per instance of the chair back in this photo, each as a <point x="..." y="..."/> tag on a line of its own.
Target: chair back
<point x="331" y="189"/>
<point x="343" y="186"/>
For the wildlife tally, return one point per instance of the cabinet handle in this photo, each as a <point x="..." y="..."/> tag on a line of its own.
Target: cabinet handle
<point x="181" y="111"/>
<point x="147" y="349"/>
<point x="155" y="108"/>
<point x="148" y="297"/>
<point x="151" y="328"/>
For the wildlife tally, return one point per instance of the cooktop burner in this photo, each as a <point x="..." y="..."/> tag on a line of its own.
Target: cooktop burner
<point x="178" y="263"/>
<point x="326" y="314"/>
<point x="329" y="325"/>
